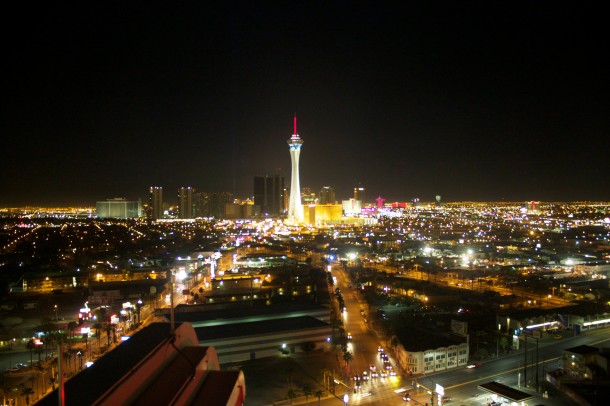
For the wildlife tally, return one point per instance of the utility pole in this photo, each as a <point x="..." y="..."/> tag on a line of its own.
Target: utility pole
<point x="537" y="388"/>
<point x="525" y="364"/>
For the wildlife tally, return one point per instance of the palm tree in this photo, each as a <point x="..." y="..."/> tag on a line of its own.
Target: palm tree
<point x="52" y="381"/>
<point x="319" y="393"/>
<point x="27" y="392"/>
<point x="71" y="326"/>
<point x="98" y="333"/>
<point x="39" y="372"/>
<point x="101" y="314"/>
<point x="38" y="350"/>
<point x="31" y="346"/>
<point x="108" y="331"/>
<point x="291" y="395"/>
<point x="307" y="392"/>
<point x="347" y="357"/>
<point x="6" y="387"/>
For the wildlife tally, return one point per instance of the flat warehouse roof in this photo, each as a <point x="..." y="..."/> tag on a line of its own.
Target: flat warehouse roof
<point x="258" y="327"/>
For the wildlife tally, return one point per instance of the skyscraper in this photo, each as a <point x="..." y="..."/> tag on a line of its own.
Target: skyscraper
<point x="211" y="204"/>
<point x="327" y="195"/>
<point x="359" y="194"/>
<point x="156" y="202"/>
<point x="185" y="202"/>
<point x="295" y="209"/>
<point x="269" y="194"/>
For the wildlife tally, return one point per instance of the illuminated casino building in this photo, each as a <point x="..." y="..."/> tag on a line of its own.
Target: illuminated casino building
<point x="295" y="209"/>
<point x="118" y="208"/>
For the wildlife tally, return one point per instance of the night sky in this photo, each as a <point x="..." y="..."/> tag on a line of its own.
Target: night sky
<point x="472" y="101"/>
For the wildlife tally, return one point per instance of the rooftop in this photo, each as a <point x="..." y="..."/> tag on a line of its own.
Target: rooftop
<point x="257" y="327"/>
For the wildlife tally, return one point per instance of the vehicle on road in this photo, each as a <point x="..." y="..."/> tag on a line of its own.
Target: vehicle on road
<point x="473" y="365"/>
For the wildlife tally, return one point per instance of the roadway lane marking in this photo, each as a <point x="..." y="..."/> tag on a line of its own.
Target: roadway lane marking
<point x="501" y="373"/>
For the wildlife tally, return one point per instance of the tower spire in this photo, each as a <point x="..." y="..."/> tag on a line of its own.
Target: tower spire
<point x="295" y="208"/>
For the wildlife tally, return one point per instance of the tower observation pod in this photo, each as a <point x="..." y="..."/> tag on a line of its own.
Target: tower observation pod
<point x="295" y="209"/>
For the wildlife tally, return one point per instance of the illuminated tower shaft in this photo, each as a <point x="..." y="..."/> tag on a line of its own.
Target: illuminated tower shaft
<point x="295" y="209"/>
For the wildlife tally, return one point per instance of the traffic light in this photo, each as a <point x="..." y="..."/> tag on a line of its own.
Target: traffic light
<point x="80" y="319"/>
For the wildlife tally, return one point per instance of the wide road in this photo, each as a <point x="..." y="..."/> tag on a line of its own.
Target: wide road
<point x="363" y="346"/>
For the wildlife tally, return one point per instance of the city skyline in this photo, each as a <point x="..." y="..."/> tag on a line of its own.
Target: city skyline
<point x="472" y="102"/>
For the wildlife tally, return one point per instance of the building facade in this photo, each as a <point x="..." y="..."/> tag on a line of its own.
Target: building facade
<point x="269" y="194"/>
<point x="118" y="208"/>
<point x="211" y="204"/>
<point x="327" y="195"/>
<point x="427" y="361"/>
<point x="352" y="207"/>
<point x="185" y="202"/>
<point x="359" y="194"/>
<point x="155" y="203"/>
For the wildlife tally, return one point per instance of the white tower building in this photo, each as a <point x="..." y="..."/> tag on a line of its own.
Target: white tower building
<point x="295" y="209"/>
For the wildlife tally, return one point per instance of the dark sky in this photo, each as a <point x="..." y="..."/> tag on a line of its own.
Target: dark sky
<point x="477" y="101"/>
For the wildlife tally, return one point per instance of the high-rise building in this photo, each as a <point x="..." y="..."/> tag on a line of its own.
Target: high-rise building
<point x="307" y="196"/>
<point x="295" y="208"/>
<point x="118" y="208"/>
<point x="359" y="194"/>
<point x="269" y="194"/>
<point x="327" y="195"/>
<point x="211" y="204"/>
<point x="185" y="202"/>
<point x="156" y="203"/>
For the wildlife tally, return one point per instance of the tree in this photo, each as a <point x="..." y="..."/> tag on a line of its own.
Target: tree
<point x="394" y="342"/>
<point x="108" y="332"/>
<point x="98" y="332"/>
<point x="52" y="381"/>
<point x="67" y="357"/>
<point x="7" y="388"/>
<point x="347" y="357"/>
<point x="31" y="346"/>
<point x="71" y="326"/>
<point x="39" y="372"/>
<point x="27" y="392"/>
<point x="307" y="392"/>
<point x="319" y="395"/>
<point x="503" y="343"/>
<point x="291" y="395"/>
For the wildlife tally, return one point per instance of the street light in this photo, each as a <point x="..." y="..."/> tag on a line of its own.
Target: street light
<point x="55" y="312"/>
<point x="138" y="308"/>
